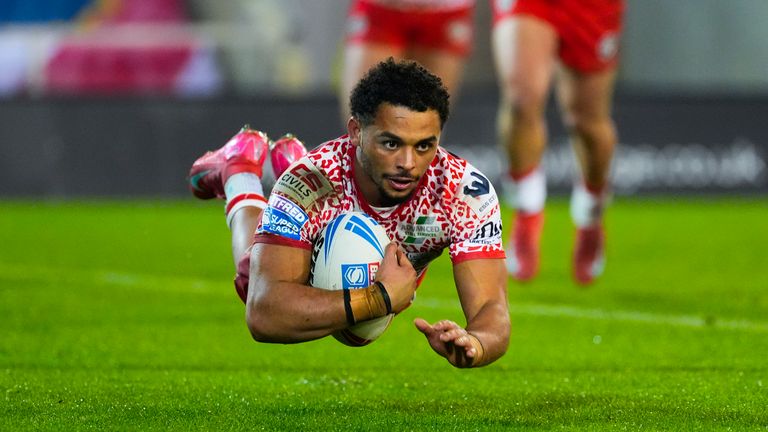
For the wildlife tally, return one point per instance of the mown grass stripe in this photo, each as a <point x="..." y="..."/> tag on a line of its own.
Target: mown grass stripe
<point x="176" y="283"/>
<point x="547" y="310"/>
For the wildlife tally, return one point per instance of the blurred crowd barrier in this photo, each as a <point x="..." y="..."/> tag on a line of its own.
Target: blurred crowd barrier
<point x="158" y="47"/>
<point x="691" y="99"/>
<point x="206" y="47"/>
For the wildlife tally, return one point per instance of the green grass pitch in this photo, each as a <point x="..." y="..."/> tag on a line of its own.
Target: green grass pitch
<point x="122" y="316"/>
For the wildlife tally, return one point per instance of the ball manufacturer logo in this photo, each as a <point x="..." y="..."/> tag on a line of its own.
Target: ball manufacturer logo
<point x="355" y="275"/>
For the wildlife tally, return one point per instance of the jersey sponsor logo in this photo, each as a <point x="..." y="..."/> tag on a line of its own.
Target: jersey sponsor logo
<point x="283" y="217"/>
<point x="487" y="233"/>
<point x="288" y="207"/>
<point x="477" y="191"/>
<point x="424" y="227"/>
<point x="485" y="205"/>
<point x="304" y="183"/>
<point x="479" y="186"/>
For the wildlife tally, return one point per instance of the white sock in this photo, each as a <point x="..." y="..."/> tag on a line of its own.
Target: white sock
<point x="243" y="190"/>
<point x="527" y="194"/>
<point x="586" y="206"/>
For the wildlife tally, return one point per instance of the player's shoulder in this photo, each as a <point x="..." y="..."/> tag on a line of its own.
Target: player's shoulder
<point x="316" y="175"/>
<point x="464" y="184"/>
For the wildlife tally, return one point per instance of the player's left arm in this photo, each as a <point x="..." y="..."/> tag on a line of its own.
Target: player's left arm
<point x="480" y="276"/>
<point x="482" y="288"/>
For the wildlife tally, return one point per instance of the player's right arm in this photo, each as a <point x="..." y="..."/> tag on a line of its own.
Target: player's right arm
<point x="281" y="307"/>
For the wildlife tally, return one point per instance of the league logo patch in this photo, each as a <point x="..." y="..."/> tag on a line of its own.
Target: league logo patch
<point x="283" y="217"/>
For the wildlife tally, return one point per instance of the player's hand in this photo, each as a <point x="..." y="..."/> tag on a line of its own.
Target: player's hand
<point x="452" y="341"/>
<point x="398" y="276"/>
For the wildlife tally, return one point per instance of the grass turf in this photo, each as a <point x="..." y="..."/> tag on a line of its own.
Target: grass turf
<point x="123" y="316"/>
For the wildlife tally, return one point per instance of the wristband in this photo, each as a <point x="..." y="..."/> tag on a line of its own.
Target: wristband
<point x="348" y="307"/>
<point x="384" y="294"/>
<point x="366" y="303"/>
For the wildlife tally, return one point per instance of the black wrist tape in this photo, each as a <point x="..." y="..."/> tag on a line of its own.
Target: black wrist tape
<point x="348" y="307"/>
<point x="385" y="295"/>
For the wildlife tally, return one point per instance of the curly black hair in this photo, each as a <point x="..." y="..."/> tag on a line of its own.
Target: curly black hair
<point x="404" y="83"/>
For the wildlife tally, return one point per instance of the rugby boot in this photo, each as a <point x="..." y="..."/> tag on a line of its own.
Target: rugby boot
<point x="244" y="152"/>
<point x="523" y="249"/>
<point x="285" y="151"/>
<point x="588" y="254"/>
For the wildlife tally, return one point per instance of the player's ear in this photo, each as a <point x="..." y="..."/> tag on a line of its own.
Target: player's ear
<point x="354" y="130"/>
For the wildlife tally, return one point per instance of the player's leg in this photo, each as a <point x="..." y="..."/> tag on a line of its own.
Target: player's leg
<point x="442" y="41"/>
<point x="524" y="50"/>
<point x="234" y="171"/>
<point x="447" y="65"/>
<point x="359" y="57"/>
<point x="372" y="35"/>
<point x="585" y="100"/>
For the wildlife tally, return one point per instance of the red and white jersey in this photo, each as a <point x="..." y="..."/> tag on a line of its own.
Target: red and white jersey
<point x="424" y="5"/>
<point x="454" y="206"/>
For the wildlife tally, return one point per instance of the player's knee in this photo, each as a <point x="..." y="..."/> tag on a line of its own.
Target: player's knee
<point x="594" y="128"/>
<point x="525" y="91"/>
<point x="524" y="104"/>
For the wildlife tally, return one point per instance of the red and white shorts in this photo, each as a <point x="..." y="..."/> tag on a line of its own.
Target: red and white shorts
<point x="450" y="30"/>
<point x="589" y="30"/>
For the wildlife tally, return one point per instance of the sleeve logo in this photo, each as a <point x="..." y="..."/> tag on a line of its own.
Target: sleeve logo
<point x="488" y="233"/>
<point x="304" y="183"/>
<point x="283" y="217"/>
<point x="477" y="192"/>
<point x="478" y="187"/>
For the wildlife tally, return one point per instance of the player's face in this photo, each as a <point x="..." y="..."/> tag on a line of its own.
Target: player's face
<point x="394" y="152"/>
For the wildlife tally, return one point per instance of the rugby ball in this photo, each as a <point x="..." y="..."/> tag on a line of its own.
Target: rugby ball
<point x="347" y="255"/>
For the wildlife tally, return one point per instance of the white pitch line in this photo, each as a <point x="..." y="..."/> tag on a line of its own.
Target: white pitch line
<point x="556" y="311"/>
<point x="179" y="283"/>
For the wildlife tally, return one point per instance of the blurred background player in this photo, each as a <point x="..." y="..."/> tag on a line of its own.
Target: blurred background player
<point x="436" y="33"/>
<point x="531" y="38"/>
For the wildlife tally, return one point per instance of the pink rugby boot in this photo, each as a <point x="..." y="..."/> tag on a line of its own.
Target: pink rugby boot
<point x="244" y="152"/>
<point x="284" y="152"/>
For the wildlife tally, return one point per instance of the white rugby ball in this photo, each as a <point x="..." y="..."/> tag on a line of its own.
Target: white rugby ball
<point x="347" y="255"/>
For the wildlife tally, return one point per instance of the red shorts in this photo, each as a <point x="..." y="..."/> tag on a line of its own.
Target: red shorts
<point x="450" y="30"/>
<point x="589" y="30"/>
<point x="241" y="278"/>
